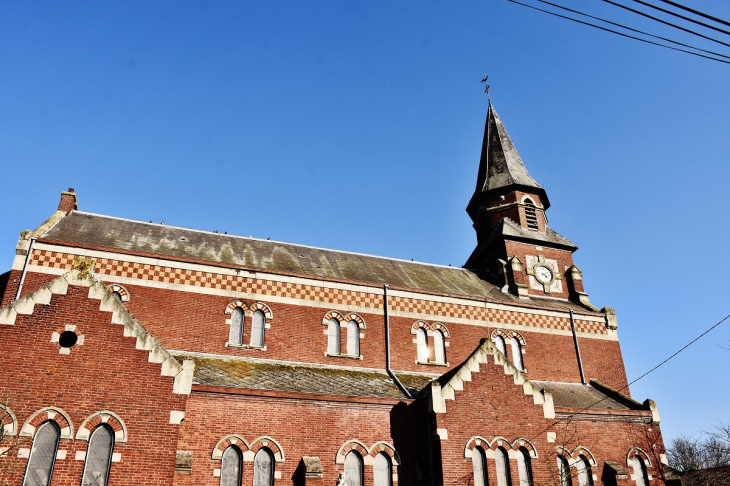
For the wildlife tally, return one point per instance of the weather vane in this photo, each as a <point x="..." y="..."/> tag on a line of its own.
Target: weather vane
<point x="486" y="87"/>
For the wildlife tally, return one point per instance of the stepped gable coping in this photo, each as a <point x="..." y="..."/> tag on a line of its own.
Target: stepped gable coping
<point x="82" y="275"/>
<point x="107" y="233"/>
<point x="447" y="385"/>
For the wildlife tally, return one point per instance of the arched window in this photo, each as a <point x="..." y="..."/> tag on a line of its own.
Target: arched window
<point x="353" y="469"/>
<point x="353" y="338"/>
<point x="499" y="343"/>
<point x="257" y="329"/>
<point x="333" y="336"/>
<point x="502" y="467"/>
<point x="585" y="475"/>
<point x="98" y="457"/>
<point x="382" y="470"/>
<point x="640" y="471"/>
<point x="42" y="455"/>
<point x="524" y="467"/>
<point x="479" y="461"/>
<point x="231" y="467"/>
<point x="439" y="347"/>
<point x="117" y="295"/>
<point x="422" y="345"/>
<point x="516" y="353"/>
<point x="263" y="468"/>
<point x="530" y="214"/>
<point x="235" y="335"/>
<point x="564" y="472"/>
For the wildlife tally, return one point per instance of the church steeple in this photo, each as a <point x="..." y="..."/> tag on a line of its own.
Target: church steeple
<point x="501" y="169"/>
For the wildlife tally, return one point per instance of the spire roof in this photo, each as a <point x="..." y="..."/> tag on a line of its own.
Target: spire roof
<point x="500" y="166"/>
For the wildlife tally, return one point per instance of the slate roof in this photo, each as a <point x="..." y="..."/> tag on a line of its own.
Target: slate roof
<point x="500" y="166"/>
<point x="576" y="395"/>
<point x="296" y="377"/>
<point x="161" y="241"/>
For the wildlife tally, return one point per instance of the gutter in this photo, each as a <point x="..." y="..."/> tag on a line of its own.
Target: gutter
<point x="387" y="345"/>
<point x="25" y="268"/>
<point x="577" y="348"/>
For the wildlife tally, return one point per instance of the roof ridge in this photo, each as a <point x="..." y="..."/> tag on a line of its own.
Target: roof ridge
<point x="269" y="241"/>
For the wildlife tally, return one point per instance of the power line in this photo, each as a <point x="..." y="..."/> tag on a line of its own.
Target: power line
<point x="683" y="17"/>
<point x="633" y="30"/>
<point x="696" y="12"/>
<point x="639" y="12"/>
<point x="620" y="33"/>
<point x="639" y="378"/>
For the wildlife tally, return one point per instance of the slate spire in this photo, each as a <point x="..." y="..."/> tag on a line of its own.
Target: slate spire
<point x="501" y="169"/>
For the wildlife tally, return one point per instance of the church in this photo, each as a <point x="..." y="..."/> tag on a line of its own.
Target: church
<point x="143" y="354"/>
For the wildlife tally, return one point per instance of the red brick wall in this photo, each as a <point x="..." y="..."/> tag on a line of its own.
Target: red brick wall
<point x="301" y="428"/>
<point x="491" y="406"/>
<point x="105" y="373"/>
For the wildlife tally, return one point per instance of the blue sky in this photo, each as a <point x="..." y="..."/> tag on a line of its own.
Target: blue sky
<point x="357" y="126"/>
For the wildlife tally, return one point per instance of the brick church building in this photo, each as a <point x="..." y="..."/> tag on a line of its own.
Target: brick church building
<point x="142" y="354"/>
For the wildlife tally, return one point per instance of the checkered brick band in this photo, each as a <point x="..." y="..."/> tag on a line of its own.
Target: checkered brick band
<point x="156" y="273"/>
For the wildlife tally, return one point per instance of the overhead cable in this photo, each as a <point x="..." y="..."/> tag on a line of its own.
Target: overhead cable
<point x="637" y="379"/>
<point x="633" y="30"/>
<point x="621" y="33"/>
<point x="696" y="12"/>
<point x="639" y="12"/>
<point x="683" y="17"/>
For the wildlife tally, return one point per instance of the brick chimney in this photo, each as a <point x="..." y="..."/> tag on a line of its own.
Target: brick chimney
<point x="68" y="201"/>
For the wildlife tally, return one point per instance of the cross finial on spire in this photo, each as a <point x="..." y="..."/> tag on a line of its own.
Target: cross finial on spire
<point x="486" y="87"/>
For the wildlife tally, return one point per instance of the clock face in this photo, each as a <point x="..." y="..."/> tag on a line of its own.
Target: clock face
<point x="543" y="274"/>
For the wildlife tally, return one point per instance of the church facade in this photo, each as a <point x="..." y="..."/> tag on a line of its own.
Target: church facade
<point x="142" y="354"/>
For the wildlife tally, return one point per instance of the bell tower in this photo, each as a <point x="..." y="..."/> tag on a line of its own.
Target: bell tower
<point x="514" y="243"/>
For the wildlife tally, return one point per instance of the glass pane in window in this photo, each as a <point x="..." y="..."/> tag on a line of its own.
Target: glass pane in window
<point x="516" y="353"/>
<point x="382" y="472"/>
<point x="640" y="471"/>
<point x="524" y="467"/>
<point x="98" y="457"/>
<point x="422" y="345"/>
<point x="257" y="329"/>
<point x="502" y="467"/>
<point x="499" y="343"/>
<point x="478" y="459"/>
<point x="42" y="455"/>
<point x="353" y="339"/>
<point x="564" y="470"/>
<point x="263" y="468"/>
<point x="585" y="476"/>
<point x="333" y="337"/>
<point x="231" y="467"/>
<point x="353" y="469"/>
<point x="235" y="335"/>
<point x="439" y="347"/>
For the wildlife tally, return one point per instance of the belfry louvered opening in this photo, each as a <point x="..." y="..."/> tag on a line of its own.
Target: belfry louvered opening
<point x="530" y="215"/>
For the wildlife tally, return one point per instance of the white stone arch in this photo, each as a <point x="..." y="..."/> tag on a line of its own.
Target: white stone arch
<point x="236" y="303"/>
<point x="634" y="451"/>
<point x="532" y="198"/>
<point x="476" y="441"/>
<point x="227" y="441"/>
<point x="529" y="446"/>
<point x="419" y="325"/>
<point x="107" y="417"/>
<point x="263" y="308"/>
<point x="351" y="445"/>
<point x="355" y="317"/>
<point x="333" y="314"/>
<point x="122" y="291"/>
<point x="508" y="335"/>
<point x="9" y="429"/>
<point x="582" y="451"/>
<point x="266" y="441"/>
<point x="383" y="446"/>
<point x="54" y="414"/>
<point x="440" y="326"/>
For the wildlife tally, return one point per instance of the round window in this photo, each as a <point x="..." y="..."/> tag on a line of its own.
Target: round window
<point x="67" y="339"/>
